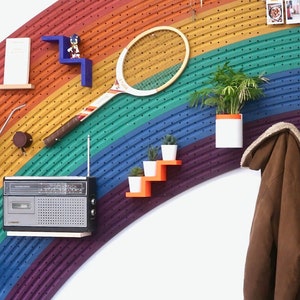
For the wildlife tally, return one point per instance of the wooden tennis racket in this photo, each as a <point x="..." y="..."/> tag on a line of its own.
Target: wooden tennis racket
<point x="151" y="62"/>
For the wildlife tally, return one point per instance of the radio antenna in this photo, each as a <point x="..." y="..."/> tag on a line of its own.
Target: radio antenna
<point x="88" y="156"/>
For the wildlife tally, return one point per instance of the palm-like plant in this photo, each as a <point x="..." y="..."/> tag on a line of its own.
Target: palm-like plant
<point x="228" y="90"/>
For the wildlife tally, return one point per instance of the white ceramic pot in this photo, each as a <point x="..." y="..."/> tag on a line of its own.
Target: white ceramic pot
<point x="169" y="152"/>
<point x="149" y="168"/>
<point x="229" y="131"/>
<point x="135" y="184"/>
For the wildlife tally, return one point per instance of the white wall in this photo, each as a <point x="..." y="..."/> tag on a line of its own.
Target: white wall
<point x="14" y="13"/>
<point x="192" y="247"/>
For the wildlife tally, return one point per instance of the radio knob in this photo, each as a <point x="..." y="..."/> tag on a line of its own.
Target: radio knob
<point x="93" y="201"/>
<point x="93" y="212"/>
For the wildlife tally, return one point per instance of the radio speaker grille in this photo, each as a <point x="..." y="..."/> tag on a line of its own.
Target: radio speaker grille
<point x="62" y="211"/>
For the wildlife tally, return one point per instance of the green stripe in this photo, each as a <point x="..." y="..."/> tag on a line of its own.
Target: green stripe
<point x="272" y="53"/>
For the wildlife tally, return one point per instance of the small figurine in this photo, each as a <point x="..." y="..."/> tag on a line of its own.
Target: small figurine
<point x="74" y="50"/>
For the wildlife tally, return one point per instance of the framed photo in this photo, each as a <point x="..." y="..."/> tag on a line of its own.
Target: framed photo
<point x="275" y="12"/>
<point x="292" y="11"/>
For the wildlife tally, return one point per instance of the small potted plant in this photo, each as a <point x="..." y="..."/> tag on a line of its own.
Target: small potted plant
<point x="169" y="147"/>
<point x="135" y="179"/>
<point x="229" y="90"/>
<point x="150" y="164"/>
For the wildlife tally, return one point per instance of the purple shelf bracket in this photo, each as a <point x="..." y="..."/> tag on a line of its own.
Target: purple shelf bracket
<point x="64" y="58"/>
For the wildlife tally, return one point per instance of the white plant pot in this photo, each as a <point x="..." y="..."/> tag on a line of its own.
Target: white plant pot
<point x="149" y="168"/>
<point x="135" y="184"/>
<point x="229" y="131"/>
<point x="169" y="152"/>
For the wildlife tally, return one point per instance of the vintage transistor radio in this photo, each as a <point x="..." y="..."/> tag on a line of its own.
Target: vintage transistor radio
<point x="49" y="206"/>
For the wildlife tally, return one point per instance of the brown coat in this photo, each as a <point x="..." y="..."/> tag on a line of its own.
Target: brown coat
<point x="272" y="268"/>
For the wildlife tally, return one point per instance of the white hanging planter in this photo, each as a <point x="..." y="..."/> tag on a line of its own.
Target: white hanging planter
<point x="169" y="152"/>
<point x="135" y="184"/>
<point x="149" y="168"/>
<point x="229" y="131"/>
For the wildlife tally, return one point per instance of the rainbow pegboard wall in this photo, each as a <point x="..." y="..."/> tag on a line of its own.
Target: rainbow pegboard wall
<point x="121" y="131"/>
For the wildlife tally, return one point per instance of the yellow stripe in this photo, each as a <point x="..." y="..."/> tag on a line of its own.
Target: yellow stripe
<point x="227" y="25"/>
<point x="49" y="115"/>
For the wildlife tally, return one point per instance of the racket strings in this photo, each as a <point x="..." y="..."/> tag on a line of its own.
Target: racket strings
<point x="154" y="60"/>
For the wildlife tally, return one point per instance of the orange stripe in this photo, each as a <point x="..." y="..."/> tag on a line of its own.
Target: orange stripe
<point x="229" y="116"/>
<point x="101" y="42"/>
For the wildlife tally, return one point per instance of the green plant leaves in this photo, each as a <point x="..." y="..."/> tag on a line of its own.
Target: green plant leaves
<point x="228" y="90"/>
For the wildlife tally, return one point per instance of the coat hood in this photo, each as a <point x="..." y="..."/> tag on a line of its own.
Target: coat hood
<point x="257" y="155"/>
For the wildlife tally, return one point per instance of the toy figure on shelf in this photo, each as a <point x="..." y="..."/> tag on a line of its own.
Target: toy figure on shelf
<point x="74" y="50"/>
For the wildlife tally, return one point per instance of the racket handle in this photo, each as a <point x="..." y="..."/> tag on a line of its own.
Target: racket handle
<point x="61" y="132"/>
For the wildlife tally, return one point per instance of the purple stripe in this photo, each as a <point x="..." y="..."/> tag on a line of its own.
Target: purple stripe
<point x="201" y="161"/>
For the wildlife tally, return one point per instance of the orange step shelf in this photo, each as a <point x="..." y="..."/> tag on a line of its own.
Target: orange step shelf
<point x="161" y="175"/>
